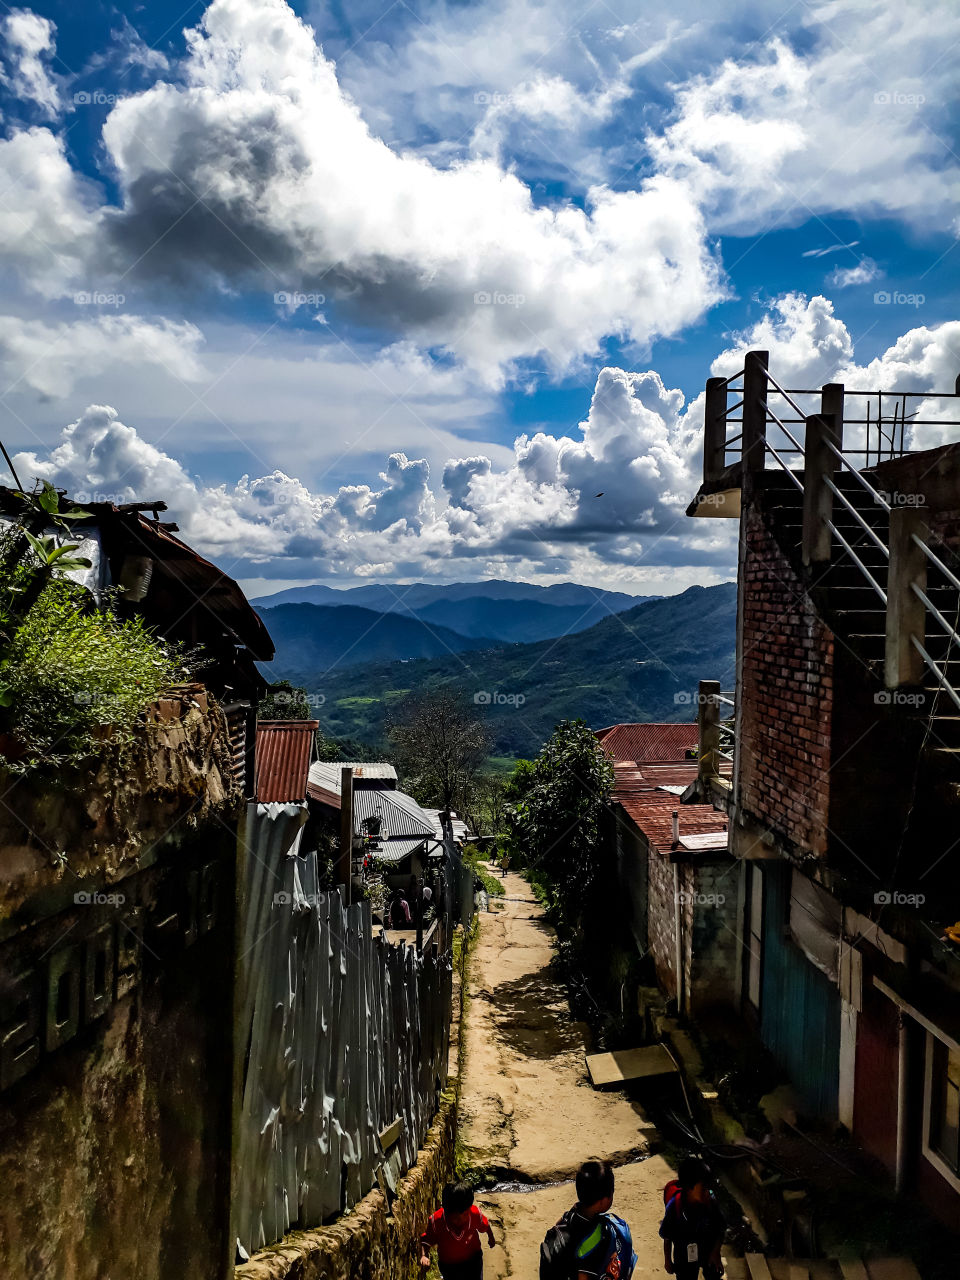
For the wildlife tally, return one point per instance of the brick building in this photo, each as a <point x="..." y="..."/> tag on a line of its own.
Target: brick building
<point x="844" y="796"/>
<point x="674" y="869"/>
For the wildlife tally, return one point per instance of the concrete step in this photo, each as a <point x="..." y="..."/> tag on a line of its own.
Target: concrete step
<point x="892" y="1269"/>
<point x="735" y="1268"/>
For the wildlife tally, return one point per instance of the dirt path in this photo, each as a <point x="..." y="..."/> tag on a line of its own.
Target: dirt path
<point x="528" y="1108"/>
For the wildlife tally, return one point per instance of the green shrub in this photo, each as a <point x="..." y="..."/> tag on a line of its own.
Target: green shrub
<point x="74" y="674"/>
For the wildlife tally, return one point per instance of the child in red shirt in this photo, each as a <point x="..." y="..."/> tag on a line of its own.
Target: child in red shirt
<point x="455" y="1232"/>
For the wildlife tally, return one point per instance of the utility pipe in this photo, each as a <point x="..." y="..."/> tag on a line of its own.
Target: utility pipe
<point x="903" y="1064"/>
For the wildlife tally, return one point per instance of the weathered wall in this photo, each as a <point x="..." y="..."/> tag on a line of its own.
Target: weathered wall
<point x="116" y="1033"/>
<point x="661" y="921"/>
<point x="375" y="1241"/>
<point x="174" y="776"/>
<point x="712" y="933"/>
<point x="631" y="854"/>
<point x="786" y="697"/>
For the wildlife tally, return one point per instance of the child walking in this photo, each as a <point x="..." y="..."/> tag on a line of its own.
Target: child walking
<point x="455" y="1232"/>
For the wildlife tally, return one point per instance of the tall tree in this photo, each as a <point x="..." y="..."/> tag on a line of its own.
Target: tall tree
<point x="555" y="811"/>
<point x="440" y="747"/>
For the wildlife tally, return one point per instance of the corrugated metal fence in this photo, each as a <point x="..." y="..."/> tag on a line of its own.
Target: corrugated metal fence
<point x="345" y="1034"/>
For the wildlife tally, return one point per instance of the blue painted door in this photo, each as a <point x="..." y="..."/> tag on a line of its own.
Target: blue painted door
<point x="800" y="1006"/>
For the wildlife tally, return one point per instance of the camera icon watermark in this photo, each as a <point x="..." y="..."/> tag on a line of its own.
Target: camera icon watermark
<point x="295" y="298"/>
<point x="895" y="498"/>
<point x="98" y="298"/>
<point x="897" y="298"/>
<point x="900" y="698"/>
<point x="93" y="898"/>
<point x="96" y="98"/>
<point x="696" y="899"/>
<point x="896" y="98"/>
<point x="484" y="98"/>
<point x="895" y="898"/>
<point x="482" y="698"/>
<point x="497" y="298"/>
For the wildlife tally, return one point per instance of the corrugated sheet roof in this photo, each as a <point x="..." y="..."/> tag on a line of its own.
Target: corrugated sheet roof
<point x="649" y="743"/>
<point x="283" y="759"/>
<point x="326" y="773"/>
<point x="400" y="814"/>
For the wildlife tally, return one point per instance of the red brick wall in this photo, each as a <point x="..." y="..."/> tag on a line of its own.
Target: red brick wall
<point x="786" y="697"/>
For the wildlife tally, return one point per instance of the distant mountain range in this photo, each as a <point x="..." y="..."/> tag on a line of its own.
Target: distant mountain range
<point x="484" y="612"/>
<point x="640" y="664"/>
<point x="320" y="638"/>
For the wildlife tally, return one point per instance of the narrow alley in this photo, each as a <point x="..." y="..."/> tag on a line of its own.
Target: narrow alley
<point x="528" y="1109"/>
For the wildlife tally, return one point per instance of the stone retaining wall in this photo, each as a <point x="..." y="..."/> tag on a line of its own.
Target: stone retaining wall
<point x="375" y="1241"/>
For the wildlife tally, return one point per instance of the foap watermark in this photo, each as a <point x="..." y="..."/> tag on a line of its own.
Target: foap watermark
<point x="687" y="699"/>
<point x="294" y="298"/>
<point x="282" y="698"/>
<point x="284" y="899"/>
<point x="900" y="698"/>
<point x="692" y="898"/>
<point x="85" y="496"/>
<point x="895" y="898"/>
<point x="483" y="298"/>
<point x="96" y="98"/>
<point x="483" y="698"/>
<point x="897" y="98"/>
<point x="897" y="298"/>
<point x="98" y="298"/>
<point x="484" y="98"/>
<point x="895" y="498"/>
<point x="93" y="898"/>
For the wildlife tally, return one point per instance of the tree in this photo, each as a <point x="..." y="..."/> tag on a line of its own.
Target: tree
<point x="440" y="747"/>
<point x="284" y="701"/>
<point x="555" y="812"/>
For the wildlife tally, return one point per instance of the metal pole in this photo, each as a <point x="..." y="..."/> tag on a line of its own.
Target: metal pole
<point x="345" y="867"/>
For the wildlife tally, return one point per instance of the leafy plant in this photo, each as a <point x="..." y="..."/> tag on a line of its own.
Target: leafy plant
<point x="73" y="672"/>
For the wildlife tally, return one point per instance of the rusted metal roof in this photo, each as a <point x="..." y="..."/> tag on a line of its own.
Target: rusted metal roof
<point x="283" y="760"/>
<point x="652" y="813"/>
<point x="649" y="743"/>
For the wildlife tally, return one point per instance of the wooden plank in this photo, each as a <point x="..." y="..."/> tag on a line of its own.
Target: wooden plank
<point x="391" y="1133"/>
<point x="799" y="1271"/>
<point x="757" y="1266"/>
<point x="629" y="1064"/>
<point x="892" y="1269"/>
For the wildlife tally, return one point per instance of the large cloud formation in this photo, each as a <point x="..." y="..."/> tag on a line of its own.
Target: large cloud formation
<point x="613" y="493"/>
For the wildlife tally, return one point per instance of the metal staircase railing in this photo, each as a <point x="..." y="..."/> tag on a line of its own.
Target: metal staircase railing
<point x="821" y="449"/>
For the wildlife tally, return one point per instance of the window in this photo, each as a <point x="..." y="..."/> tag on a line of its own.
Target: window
<point x="943" y="1132"/>
<point x="754" y="932"/>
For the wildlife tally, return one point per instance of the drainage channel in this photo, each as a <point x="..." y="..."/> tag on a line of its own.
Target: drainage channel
<point x="515" y="1186"/>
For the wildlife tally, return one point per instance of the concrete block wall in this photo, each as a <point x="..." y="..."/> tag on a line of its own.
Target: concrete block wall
<point x="786" y="698"/>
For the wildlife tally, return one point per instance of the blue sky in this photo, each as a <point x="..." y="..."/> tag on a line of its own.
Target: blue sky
<point x="341" y="282"/>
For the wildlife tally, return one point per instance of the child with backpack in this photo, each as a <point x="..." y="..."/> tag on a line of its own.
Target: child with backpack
<point x="589" y="1241"/>
<point x="693" y="1227"/>
<point x="454" y="1230"/>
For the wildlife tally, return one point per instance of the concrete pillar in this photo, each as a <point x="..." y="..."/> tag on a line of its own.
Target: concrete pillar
<point x="831" y="402"/>
<point x="819" y="462"/>
<point x="714" y="428"/>
<point x="708" y="720"/>
<point x="754" y="410"/>
<point x="906" y="615"/>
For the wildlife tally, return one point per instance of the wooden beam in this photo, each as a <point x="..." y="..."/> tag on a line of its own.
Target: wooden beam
<point x="754" y="411"/>
<point x="714" y="429"/>
<point x="757" y="1266"/>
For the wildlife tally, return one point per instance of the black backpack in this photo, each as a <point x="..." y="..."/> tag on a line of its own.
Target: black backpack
<point x="558" y="1253"/>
